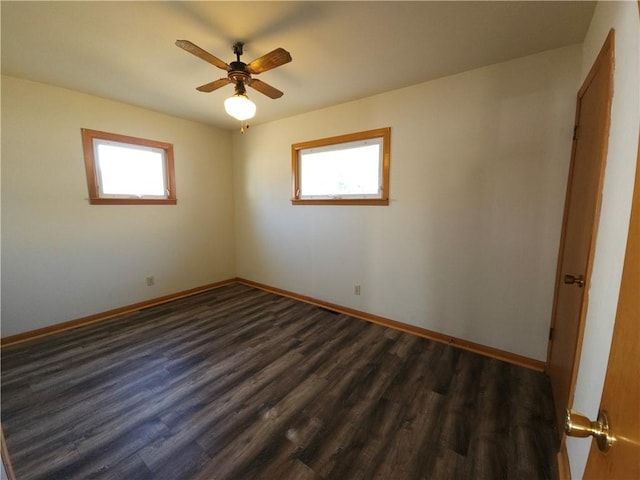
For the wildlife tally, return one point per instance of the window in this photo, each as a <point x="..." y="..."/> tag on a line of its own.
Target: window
<point x="349" y="169"/>
<point x="124" y="170"/>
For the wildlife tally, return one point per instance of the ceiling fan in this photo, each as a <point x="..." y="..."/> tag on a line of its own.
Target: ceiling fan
<point x="240" y="74"/>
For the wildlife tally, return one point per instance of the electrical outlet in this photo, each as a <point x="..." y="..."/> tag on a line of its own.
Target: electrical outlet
<point x="150" y="281"/>
<point x="356" y="290"/>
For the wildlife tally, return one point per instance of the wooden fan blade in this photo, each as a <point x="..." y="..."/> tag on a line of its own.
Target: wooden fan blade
<point x="271" y="60"/>
<point x="193" y="49"/>
<point x="211" y="86"/>
<point x="265" y="88"/>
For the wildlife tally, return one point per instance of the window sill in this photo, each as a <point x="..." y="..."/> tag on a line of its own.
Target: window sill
<point x="364" y="201"/>
<point x="132" y="201"/>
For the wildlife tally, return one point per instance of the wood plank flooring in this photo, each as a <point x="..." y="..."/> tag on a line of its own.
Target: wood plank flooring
<point x="238" y="383"/>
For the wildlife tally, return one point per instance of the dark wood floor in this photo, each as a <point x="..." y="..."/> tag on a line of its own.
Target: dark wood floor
<point x="238" y="383"/>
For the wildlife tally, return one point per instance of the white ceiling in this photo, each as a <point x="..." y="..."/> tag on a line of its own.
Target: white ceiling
<point x="341" y="50"/>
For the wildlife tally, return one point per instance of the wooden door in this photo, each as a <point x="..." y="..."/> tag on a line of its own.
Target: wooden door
<point x="621" y="393"/>
<point x="6" y="461"/>
<point x="580" y="223"/>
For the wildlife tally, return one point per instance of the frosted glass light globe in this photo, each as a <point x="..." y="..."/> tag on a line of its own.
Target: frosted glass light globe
<point x="240" y="107"/>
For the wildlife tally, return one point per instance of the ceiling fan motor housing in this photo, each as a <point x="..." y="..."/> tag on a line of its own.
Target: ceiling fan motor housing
<point x="238" y="72"/>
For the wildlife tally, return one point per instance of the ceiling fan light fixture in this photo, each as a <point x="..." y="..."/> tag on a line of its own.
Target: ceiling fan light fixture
<point x="240" y="74"/>
<point x="240" y="107"/>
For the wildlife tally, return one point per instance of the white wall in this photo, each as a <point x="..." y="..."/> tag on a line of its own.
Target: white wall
<point x="616" y="206"/>
<point x="61" y="257"/>
<point x="469" y="242"/>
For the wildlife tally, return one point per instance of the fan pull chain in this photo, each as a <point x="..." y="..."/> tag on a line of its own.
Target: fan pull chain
<point x="243" y="126"/>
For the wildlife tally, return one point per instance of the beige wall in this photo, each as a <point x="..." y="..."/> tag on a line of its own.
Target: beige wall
<point x="61" y="257"/>
<point x="468" y="245"/>
<point x="616" y="206"/>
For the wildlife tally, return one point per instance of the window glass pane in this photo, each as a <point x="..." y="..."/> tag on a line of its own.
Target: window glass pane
<point x="129" y="170"/>
<point x="343" y="172"/>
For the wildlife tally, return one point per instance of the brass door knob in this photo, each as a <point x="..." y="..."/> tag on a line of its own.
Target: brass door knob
<point x="577" y="425"/>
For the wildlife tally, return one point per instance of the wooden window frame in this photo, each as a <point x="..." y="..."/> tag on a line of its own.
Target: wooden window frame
<point x="384" y="133"/>
<point x="88" y="137"/>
